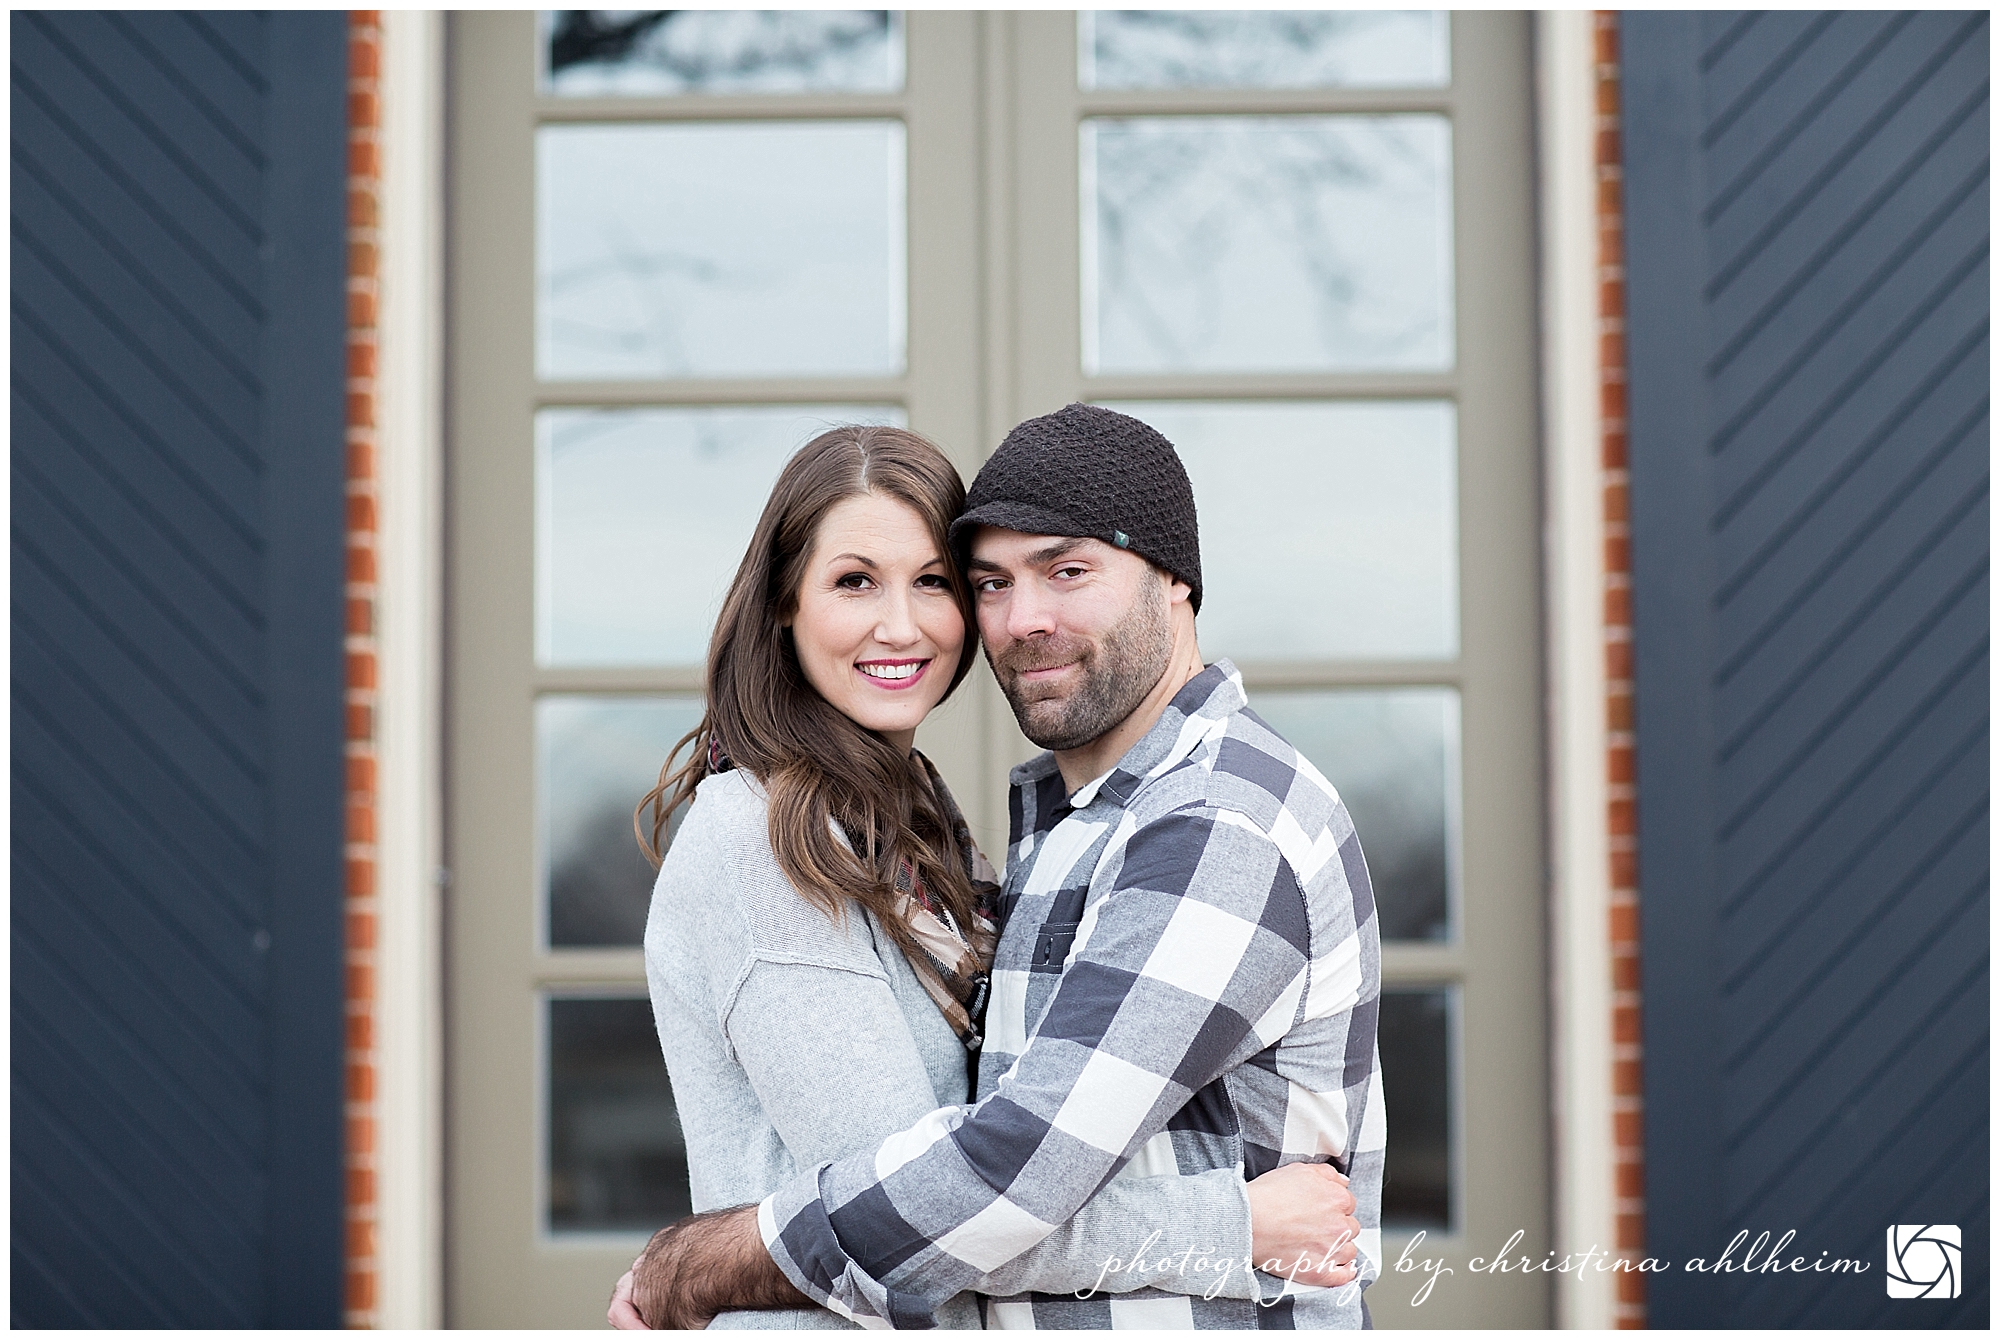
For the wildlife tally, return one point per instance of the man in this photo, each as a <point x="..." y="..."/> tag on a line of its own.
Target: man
<point x="1189" y="968"/>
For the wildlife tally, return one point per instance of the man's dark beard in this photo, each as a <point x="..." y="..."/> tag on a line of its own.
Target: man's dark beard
<point x="1118" y="673"/>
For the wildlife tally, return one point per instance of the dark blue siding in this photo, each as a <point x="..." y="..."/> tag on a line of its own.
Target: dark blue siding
<point x="1806" y="242"/>
<point x="177" y="477"/>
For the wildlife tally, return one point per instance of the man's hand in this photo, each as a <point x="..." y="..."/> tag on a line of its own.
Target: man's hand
<point x="697" y="1267"/>
<point x="1302" y="1224"/>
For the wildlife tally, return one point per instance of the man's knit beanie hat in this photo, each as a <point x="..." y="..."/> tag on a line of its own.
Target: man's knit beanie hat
<point x="1089" y="471"/>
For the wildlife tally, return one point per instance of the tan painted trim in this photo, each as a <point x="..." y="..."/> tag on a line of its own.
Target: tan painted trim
<point x="1262" y="101"/>
<point x="497" y="1273"/>
<point x="409" y="719"/>
<point x="1580" y="903"/>
<point x="723" y="107"/>
<point x="944" y="289"/>
<point x="1500" y="1031"/>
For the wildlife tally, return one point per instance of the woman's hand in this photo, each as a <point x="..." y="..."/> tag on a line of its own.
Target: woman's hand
<point x="1302" y="1224"/>
<point x="623" y="1316"/>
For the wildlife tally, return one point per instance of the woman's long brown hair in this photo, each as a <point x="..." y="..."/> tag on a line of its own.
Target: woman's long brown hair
<point x="819" y="767"/>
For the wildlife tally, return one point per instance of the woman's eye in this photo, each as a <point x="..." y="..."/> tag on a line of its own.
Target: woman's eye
<point x="934" y="581"/>
<point x="853" y="581"/>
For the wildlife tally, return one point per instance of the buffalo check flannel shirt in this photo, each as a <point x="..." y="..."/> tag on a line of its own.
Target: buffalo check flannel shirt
<point x="1188" y="977"/>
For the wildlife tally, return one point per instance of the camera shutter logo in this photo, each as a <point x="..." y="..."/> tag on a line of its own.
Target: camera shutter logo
<point x="1923" y="1260"/>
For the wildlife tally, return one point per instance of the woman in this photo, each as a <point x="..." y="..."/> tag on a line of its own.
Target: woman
<point x="817" y="944"/>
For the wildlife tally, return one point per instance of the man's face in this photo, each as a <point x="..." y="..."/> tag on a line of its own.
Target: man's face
<point x="1077" y="632"/>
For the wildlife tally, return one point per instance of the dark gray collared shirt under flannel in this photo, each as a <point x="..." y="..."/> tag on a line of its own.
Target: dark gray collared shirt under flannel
<point x="1187" y="979"/>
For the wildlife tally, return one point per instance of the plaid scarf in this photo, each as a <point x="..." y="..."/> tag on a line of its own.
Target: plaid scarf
<point x="954" y="962"/>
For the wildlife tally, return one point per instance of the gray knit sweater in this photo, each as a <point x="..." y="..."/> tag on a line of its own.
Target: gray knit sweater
<point x="794" y="1038"/>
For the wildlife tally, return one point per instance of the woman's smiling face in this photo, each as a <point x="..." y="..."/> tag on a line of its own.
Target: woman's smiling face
<point x="877" y="630"/>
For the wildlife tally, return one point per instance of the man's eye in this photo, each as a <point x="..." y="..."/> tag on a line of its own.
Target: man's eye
<point x="986" y="585"/>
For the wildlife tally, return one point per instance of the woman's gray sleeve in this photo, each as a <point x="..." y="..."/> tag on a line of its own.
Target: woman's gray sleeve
<point x="830" y="1056"/>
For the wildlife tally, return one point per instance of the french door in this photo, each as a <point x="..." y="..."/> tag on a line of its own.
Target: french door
<point x="1298" y="243"/>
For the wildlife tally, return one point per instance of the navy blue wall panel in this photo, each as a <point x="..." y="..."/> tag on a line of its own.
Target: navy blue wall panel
<point x="1807" y="271"/>
<point x="177" y="478"/>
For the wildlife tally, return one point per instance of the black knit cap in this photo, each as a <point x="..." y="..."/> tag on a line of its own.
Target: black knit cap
<point x="1090" y="471"/>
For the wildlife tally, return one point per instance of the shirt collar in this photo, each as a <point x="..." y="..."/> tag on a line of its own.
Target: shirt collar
<point x="1200" y="709"/>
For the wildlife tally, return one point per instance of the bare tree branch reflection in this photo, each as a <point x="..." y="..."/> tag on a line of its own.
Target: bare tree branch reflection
<point x="673" y="249"/>
<point x="689" y="50"/>
<point x="1154" y="48"/>
<point x="598" y="36"/>
<point x="1188" y="209"/>
<point x="645" y="278"/>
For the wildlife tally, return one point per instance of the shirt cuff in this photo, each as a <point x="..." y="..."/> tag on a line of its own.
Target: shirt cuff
<point x="1368" y="1267"/>
<point x="800" y="1238"/>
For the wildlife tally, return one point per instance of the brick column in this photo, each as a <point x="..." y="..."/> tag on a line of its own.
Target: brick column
<point x="363" y="193"/>
<point x="1628" y="1136"/>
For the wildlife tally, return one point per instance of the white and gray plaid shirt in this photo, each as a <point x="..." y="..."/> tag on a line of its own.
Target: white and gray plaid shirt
<point x="1187" y="979"/>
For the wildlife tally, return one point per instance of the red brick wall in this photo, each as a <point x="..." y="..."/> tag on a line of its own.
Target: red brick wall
<point x="363" y="192"/>
<point x="1627" y="1098"/>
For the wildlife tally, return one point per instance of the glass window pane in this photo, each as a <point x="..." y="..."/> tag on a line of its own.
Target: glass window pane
<point x="1327" y="530"/>
<point x="720" y="250"/>
<point x="595" y="757"/>
<point x="1267" y="244"/>
<point x="661" y="52"/>
<point x="616" y="1160"/>
<point x="1414" y="1034"/>
<point x="1393" y="756"/>
<point x="1248" y="48"/>
<point x="642" y="516"/>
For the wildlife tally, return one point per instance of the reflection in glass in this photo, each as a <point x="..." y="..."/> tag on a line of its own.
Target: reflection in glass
<point x="1414" y="1034"/>
<point x="1267" y="244"/>
<point x="642" y="516"/>
<point x="1327" y="530"/>
<point x="1248" y="48"/>
<point x="616" y="1160"/>
<point x="595" y="758"/>
<point x="725" y="249"/>
<point x="1392" y="754"/>
<point x="660" y="52"/>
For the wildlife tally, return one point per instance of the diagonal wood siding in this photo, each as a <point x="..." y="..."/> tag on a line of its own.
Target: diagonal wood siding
<point x="1807" y="222"/>
<point x="177" y="254"/>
